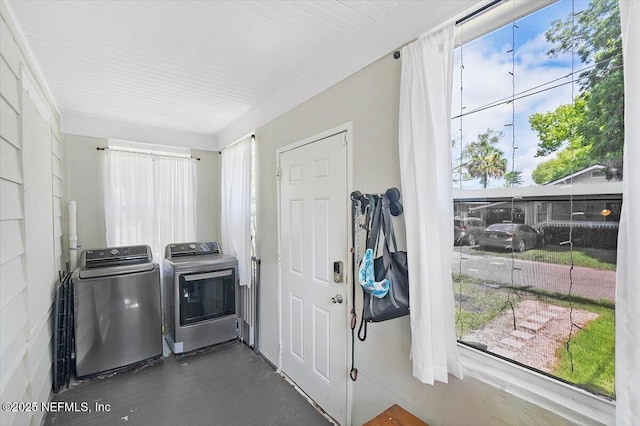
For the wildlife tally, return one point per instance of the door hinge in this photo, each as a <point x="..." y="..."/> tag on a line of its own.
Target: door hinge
<point x="279" y="173"/>
<point x="346" y="138"/>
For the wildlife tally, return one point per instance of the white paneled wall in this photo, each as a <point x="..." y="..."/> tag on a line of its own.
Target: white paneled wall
<point x="31" y="226"/>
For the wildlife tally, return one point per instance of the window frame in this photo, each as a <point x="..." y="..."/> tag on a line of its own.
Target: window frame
<point x="564" y="399"/>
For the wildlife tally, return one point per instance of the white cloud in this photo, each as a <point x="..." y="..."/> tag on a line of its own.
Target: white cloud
<point x="487" y="78"/>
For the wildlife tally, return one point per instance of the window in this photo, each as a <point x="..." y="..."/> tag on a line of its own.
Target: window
<point x="149" y="196"/>
<point x="537" y="156"/>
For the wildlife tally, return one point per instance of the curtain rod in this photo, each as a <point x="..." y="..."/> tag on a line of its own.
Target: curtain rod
<point x="252" y="136"/>
<point x="104" y="148"/>
<point x="396" y="54"/>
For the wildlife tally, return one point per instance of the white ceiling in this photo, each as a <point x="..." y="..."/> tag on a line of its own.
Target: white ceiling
<point x="202" y="67"/>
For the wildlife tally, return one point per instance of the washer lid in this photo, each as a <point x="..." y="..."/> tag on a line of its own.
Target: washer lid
<point x="116" y="270"/>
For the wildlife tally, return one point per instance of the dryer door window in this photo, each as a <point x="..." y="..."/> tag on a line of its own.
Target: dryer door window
<point x="206" y="295"/>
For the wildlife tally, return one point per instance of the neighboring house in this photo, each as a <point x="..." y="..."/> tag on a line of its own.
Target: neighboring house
<point x="592" y="174"/>
<point x="595" y="220"/>
<point x="553" y="212"/>
<point x="590" y="217"/>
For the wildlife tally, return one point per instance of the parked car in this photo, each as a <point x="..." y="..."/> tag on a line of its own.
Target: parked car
<point x="467" y="230"/>
<point x="510" y="236"/>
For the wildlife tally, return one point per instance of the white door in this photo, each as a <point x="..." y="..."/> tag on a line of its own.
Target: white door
<point x="313" y="235"/>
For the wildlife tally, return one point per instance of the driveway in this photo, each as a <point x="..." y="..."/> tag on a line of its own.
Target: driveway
<point x="591" y="283"/>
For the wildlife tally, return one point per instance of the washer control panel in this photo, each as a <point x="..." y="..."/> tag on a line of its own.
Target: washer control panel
<point x="108" y="253"/>
<point x="115" y="256"/>
<point x="192" y="249"/>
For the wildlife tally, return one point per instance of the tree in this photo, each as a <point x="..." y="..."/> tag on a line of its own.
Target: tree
<point x="567" y="161"/>
<point x="598" y="114"/>
<point x="460" y="161"/>
<point x="483" y="160"/>
<point x="561" y="128"/>
<point x="512" y="178"/>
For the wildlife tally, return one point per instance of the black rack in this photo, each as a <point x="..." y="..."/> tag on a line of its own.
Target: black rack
<point x="63" y="332"/>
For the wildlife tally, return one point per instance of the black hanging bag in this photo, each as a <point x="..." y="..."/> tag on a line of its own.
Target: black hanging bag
<point x="392" y="265"/>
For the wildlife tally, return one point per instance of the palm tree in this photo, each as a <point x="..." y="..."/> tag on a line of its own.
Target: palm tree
<point x="484" y="159"/>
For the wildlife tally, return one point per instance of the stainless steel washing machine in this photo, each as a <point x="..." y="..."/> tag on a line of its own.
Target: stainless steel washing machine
<point x="199" y="293"/>
<point x="117" y="308"/>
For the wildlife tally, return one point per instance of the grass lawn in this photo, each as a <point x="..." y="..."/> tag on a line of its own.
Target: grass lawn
<point x="478" y="302"/>
<point x="593" y="350"/>
<point x="590" y="258"/>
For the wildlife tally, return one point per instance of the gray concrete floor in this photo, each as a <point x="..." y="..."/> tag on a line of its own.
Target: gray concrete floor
<point x="224" y="385"/>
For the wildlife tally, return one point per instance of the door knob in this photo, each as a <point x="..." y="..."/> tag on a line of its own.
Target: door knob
<point x="337" y="298"/>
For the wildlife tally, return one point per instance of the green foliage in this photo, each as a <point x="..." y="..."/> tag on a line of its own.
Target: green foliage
<point x="559" y="127"/>
<point x="566" y="162"/>
<point x="513" y="178"/>
<point x="482" y="160"/>
<point x="595" y="124"/>
<point x="460" y="160"/>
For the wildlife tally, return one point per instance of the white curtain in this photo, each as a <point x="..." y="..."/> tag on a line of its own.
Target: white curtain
<point x="235" y="206"/>
<point x="628" y="267"/>
<point x="425" y="173"/>
<point x="129" y="198"/>
<point x="175" y="180"/>
<point x="149" y="199"/>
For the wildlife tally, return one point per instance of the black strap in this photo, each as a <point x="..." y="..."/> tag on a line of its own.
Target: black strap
<point x="387" y="225"/>
<point x="374" y="228"/>
<point x="362" y="330"/>
<point x="373" y="239"/>
<point x="353" y="374"/>
<point x="389" y="234"/>
<point x="369" y="209"/>
<point x="374" y="222"/>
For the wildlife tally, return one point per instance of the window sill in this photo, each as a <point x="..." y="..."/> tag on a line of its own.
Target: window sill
<point x="567" y="401"/>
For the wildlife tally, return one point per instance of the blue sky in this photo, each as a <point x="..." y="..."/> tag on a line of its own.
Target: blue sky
<point x="486" y="78"/>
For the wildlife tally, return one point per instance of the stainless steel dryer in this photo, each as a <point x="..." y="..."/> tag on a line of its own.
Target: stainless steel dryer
<point x="117" y="308"/>
<point x="199" y="293"/>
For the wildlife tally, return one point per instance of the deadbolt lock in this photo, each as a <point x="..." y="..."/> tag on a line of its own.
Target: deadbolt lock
<point x="337" y="271"/>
